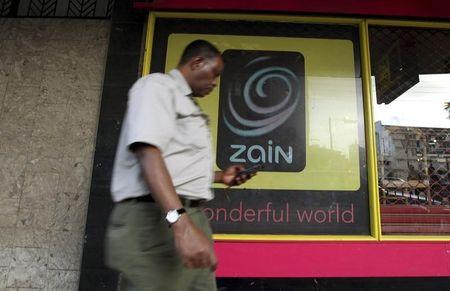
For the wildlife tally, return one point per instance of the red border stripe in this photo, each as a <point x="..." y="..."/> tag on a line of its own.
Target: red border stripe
<point x="397" y="8"/>
<point x="334" y="259"/>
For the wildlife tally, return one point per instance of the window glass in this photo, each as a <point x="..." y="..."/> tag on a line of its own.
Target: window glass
<point x="289" y="100"/>
<point x="411" y="91"/>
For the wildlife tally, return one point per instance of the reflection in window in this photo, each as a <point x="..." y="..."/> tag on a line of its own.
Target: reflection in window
<point x="411" y="90"/>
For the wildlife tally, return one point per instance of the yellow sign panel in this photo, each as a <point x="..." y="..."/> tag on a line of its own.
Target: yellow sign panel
<point x="331" y="120"/>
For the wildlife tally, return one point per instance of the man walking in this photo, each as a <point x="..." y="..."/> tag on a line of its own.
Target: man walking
<point x="158" y="236"/>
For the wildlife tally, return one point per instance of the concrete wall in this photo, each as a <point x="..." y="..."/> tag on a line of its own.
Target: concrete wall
<point x="51" y="73"/>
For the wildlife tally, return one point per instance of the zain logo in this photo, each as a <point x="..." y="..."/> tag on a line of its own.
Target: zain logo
<point x="282" y="102"/>
<point x="262" y="110"/>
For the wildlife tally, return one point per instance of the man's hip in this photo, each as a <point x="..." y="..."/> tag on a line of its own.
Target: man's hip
<point x="140" y="244"/>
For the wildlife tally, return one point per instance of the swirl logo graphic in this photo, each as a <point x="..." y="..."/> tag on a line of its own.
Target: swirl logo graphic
<point x="257" y="86"/>
<point x="262" y="110"/>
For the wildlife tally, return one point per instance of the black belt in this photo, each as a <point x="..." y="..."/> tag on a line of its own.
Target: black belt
<point x="186" y="202"/>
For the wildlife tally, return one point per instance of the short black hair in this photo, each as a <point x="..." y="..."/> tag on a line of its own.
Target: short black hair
<point x="200" y="48"/>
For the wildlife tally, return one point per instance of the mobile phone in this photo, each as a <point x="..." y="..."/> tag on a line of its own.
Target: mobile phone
<point x="251" y="170"/>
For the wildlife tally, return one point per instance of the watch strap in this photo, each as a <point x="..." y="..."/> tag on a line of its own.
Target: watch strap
<point x="181" y="210"/>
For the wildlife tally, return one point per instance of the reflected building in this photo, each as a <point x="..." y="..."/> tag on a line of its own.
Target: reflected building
<point x="413" y="158"/>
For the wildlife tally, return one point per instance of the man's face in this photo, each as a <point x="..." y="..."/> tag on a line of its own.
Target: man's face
<point x="204" y="75"/>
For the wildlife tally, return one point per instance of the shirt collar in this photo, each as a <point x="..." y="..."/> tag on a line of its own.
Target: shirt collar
<point x="181" y="82"/>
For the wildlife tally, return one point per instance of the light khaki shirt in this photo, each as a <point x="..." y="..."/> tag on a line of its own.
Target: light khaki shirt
<point x="161" y="113"/>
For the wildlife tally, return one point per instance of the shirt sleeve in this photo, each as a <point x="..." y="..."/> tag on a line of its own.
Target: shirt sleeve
<point x="151" y="115"/>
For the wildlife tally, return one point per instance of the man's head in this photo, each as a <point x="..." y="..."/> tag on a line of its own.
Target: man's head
<point x="201" y="64"/>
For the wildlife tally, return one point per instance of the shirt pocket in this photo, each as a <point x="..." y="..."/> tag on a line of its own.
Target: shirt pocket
<point x="193" y="131"/>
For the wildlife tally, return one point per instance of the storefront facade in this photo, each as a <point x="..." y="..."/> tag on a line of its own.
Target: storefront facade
<point x="354" y="138"/>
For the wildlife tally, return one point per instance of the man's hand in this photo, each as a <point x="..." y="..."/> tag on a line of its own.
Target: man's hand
<point x="231" y="177"/>
<point x="194" y="248"/>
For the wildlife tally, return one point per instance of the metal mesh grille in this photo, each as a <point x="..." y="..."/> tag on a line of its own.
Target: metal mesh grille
<point x="413" y="162"/>
<point x="414" y="168"/>
<point x="42" y="8"/>
<point x="399" y="55"/>
<point x="57" y="8"/>
<point x="431" y="46"/>
<point x="5" y="7"/>
<point x="81" y="8"/>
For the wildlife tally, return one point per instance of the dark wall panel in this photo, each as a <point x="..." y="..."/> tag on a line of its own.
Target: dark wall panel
<point x="122" y="69"/>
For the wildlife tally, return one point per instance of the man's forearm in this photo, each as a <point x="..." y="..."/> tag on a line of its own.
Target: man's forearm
<point x="194" y="248"/>
<point x="157" y="177"/>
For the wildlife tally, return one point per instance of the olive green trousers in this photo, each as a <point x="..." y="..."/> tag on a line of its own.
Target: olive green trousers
<point x="140" y="245"/>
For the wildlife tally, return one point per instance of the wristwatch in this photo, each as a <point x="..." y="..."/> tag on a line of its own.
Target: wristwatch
<point x="173" y="215"/>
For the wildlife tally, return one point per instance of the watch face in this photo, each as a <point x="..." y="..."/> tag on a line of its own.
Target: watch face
<point x="172" y="216"/>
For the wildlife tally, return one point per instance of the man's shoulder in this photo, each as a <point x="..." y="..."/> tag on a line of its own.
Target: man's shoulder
<point x="157" y="79"/>
<point x="157" y="85"/>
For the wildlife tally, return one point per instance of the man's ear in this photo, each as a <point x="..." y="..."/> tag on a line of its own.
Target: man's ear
<point x="197" y="63"/>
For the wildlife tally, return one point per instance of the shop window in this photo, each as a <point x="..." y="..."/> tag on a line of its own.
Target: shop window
<point x="411" y="91"/>
<point x="289" y="98"/>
